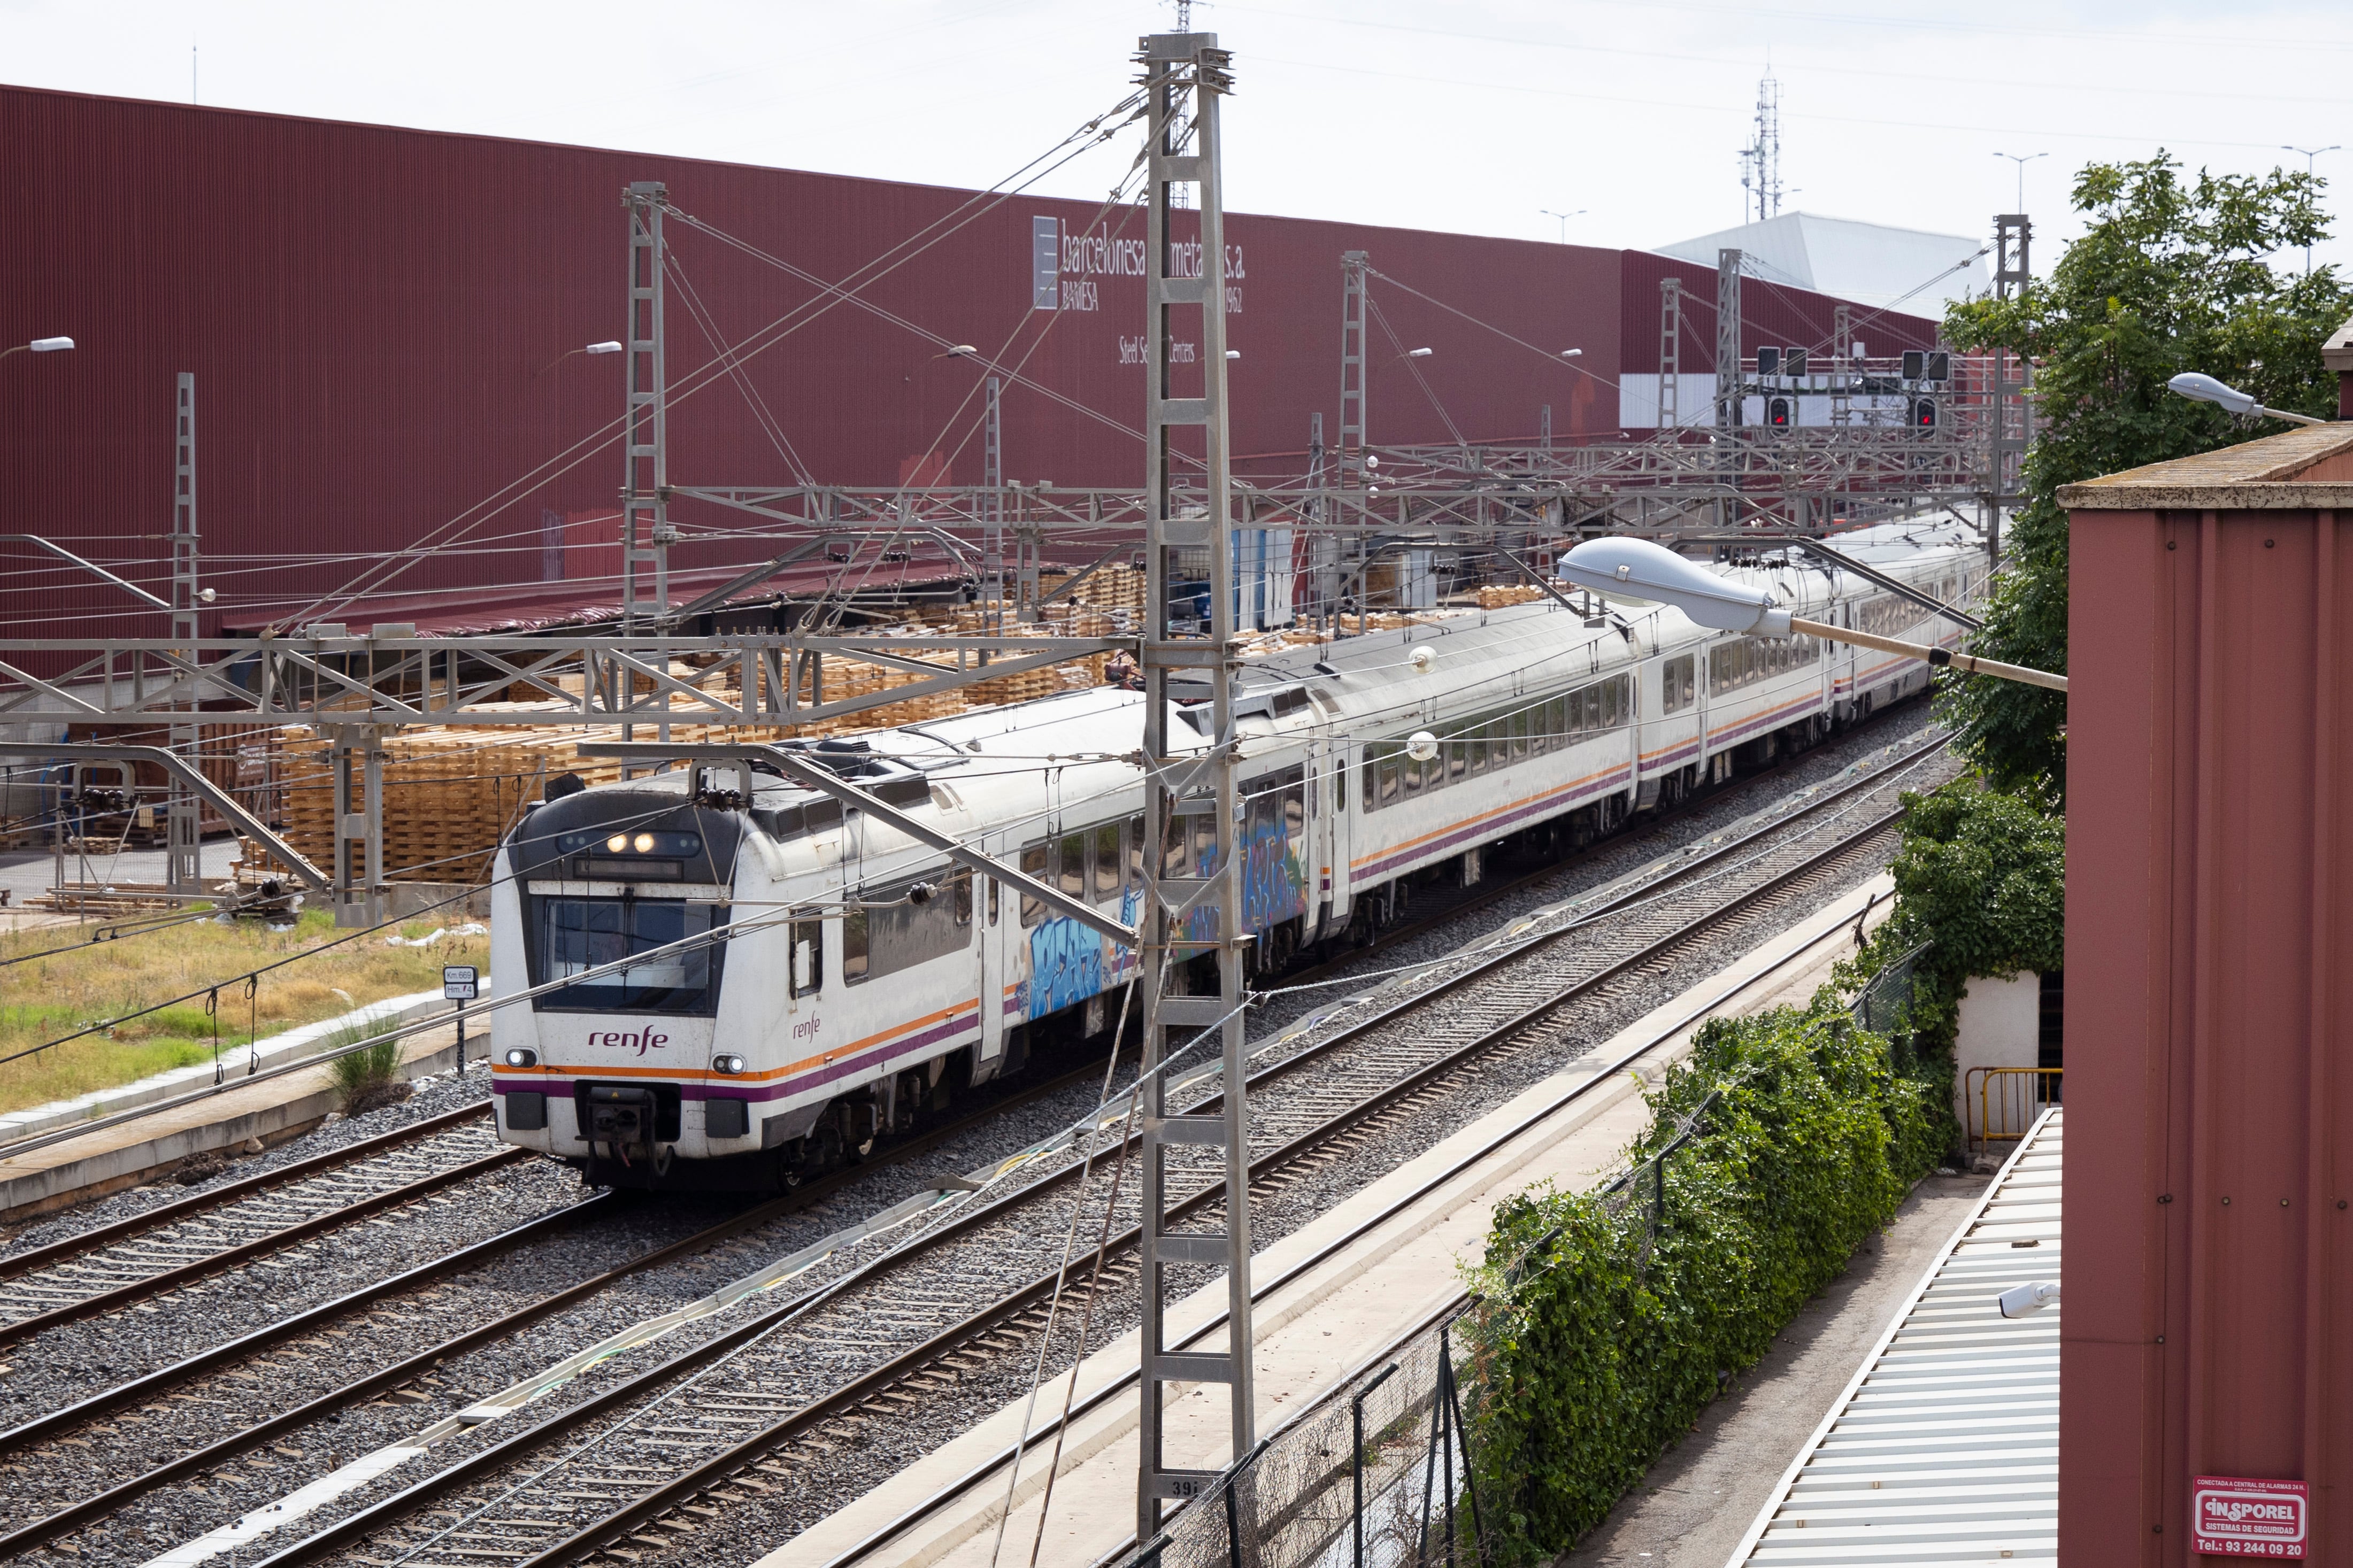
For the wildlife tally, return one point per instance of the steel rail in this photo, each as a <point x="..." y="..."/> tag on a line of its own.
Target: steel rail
<point x="75" y="1515"/>
<point x="669" y="1495"/>
<point x="181" y="1208"/>
<point x="365" y="1523"/>
<point x="246" y="1251"/>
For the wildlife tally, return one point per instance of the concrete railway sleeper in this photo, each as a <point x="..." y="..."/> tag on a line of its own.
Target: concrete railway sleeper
<point x="172" y="1276"/>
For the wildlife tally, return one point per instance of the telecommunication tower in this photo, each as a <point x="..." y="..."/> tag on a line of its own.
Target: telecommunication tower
<point x="1760" y="161"/>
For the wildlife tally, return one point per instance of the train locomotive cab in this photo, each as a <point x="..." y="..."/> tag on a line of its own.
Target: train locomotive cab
<point x="615" y="1073"/>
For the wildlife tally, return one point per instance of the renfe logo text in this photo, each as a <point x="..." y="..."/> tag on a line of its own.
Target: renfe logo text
<point x="640" y="1043"/>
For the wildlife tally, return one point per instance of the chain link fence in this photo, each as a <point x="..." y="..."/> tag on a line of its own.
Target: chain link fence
<point x="1884" y="1006"/>
<point x="1375" y="1475"/>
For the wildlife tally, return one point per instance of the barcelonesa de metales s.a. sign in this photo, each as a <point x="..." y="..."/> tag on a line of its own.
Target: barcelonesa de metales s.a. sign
<point x="2231" y="1516"/>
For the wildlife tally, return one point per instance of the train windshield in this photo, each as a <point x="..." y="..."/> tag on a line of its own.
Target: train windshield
<point x="576" y="935"/>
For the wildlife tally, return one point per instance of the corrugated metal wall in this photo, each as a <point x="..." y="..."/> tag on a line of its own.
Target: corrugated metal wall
<point x="2209" y="985"/>
<point x="370" y="314"/>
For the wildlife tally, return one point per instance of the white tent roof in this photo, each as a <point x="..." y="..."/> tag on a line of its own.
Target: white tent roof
<point x="1869" y="263"/>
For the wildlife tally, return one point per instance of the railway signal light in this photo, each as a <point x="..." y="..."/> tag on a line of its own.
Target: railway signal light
<point x="1940" y="366"/>
<point x="1793" y="361"/>
<point x="1768" y="361"/>
<point x="1924" y="414"/>
<point x="1776" y="413"/>
<point x="1915" y="364"/>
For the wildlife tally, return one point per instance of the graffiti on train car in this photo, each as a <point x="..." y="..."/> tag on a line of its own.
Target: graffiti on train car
<point x="1273" y="834"/>
<point x="1067" y="962"/>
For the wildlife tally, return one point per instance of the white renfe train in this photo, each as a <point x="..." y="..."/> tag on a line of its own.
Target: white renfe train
<point x="792" y="1044"/>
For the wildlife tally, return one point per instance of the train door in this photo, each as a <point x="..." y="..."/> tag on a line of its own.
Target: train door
<point x="989" y="901"/>
<point x="1316" y="856"/>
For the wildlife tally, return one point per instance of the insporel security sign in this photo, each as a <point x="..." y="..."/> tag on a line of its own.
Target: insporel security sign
<point x="2231" y="1516"/>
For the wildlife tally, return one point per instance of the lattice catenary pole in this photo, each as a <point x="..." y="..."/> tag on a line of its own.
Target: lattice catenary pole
<point x="183" y="860"/>
<point x="1193" y="915"/>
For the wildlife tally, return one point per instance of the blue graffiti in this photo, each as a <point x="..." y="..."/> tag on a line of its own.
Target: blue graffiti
<point x="1274" y="887"/>
<point x="1069" y="962"/>
<point x="1066" y="965"/>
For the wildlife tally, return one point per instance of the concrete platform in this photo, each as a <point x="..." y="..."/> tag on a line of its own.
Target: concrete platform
<point x="271" y="1112"/>
<point x="1330" y="1296"/>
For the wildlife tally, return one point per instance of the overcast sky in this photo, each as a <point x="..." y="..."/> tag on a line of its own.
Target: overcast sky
<point x="1465" y="116"/>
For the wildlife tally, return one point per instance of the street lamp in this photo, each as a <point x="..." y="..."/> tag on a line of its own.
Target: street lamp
<point x="2027" y="1298"/>
<point x="2021" y="162"/>
<point x="1636" y="568"/>
<point x="1571" y="353"/>
<point x="39" y="346"/>
<point x="2206" y="389"/>
<point x="2311" y="155"/>
<point x="1417" y="353"/>
<point x="609" y="346"/>
<point x="1563" y="219"/>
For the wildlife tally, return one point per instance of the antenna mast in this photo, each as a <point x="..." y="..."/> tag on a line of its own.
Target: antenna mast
<point x="1760" y="161"/>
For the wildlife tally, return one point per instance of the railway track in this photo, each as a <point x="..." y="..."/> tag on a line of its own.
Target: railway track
<point x="770" y="1403"/>
<point x="114" y="1266"/>
<point x="302" y="1335"/>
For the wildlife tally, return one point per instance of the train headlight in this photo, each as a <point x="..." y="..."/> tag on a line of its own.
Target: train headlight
<point x="645" y="842"/>
<point x="727" y="1062"/>
<point x="520" y="1058"/>
<point x="618" y="843"/>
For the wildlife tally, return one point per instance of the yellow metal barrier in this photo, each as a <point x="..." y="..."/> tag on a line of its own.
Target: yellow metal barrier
<point x="2008" y="1100"/>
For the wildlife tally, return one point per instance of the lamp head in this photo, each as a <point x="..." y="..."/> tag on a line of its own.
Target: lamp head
<point x="2030" y="1297"/>
<point x="2206" y="389"/>
<point x="1623" y="568"/>
<point x="49" y="345"/>
<point x="609" y="346"/>
<point x="1419" y="353"/>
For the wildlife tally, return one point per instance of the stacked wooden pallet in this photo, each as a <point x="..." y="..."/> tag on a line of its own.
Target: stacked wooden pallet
<point x="1497" y="598"/>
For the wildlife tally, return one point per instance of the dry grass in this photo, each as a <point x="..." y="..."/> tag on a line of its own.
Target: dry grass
<point x="52" y="997"/>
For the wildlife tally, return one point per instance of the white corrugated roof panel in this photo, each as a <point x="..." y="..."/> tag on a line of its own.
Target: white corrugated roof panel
<point x="1945" y="1448"/>
<point x="1874" y="264"/>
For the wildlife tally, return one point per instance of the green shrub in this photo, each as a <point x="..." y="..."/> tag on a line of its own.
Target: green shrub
<point x="366" y="1078"/>
<point x="1598" y="1340"/>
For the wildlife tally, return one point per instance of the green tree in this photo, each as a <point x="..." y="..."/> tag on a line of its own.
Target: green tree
<point x="1982" y="877"/>
<point x="2172" y="274"/>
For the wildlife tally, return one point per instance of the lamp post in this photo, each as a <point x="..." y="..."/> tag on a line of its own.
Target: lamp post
<point x="1563" y="219"/>
<point x="2206" y="389"/>
<point x="2310" y="156"/>
<point x="39" y="346"/>
<point x="2021" y="161"/>
<point x="1636" y="568"/>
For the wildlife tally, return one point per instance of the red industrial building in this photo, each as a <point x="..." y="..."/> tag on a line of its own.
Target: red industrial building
<point x="378" y="321"/>
<point x="2208" y="1338"/>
